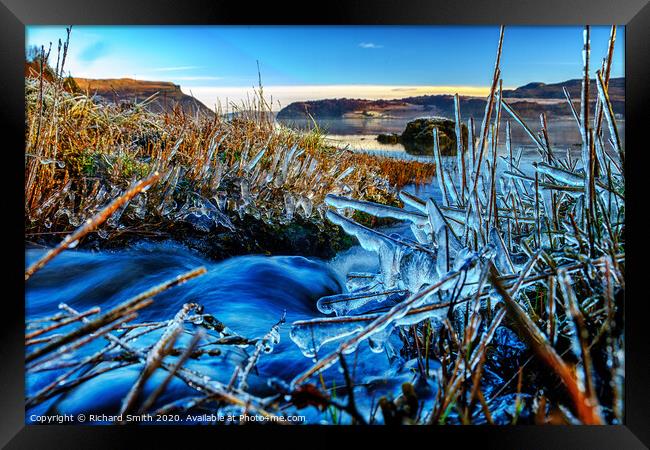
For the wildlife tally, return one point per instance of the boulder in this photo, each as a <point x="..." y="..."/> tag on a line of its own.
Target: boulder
<point x="417" y="138"/>
<point x="420" y="131"/>
<point x="390" y="138"/>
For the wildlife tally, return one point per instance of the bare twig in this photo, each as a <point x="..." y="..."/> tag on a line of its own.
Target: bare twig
<point x="91" y="224"/>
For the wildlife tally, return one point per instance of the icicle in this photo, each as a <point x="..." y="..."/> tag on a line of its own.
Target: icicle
<point x="440" y="171"/>
<point x="139" y="205"/>
<point x="390" y="250"/>
<point x="451" y="189"/>
<point x="306" y="205"/>
<point x="245" y="191"/>
<point x="447" y="242"/>
<point x="362" y="281"/>
<point x="439" y="223"/>
<point x="561" y="175"/>
<point x="471" y="149"/>
<point x="413" y="201"/>
<point x="421" y="233"/>
<point x="285" y="165"/>
<point x="502" y="257"/>
<point x="253" y="162"/>
<point x="345" y="173"/>
<point x="473" y="220"/>
<point x="202" y="214"/>
<point x="342" y="304"/>
<point x="460" y="153"/>
<point x="114" y="220"/>
<point x="547" y="197"/>
<point x="173" y="151"/>
<point x="272" y="173"/>
<point x="375" y="209"/>
<point x="369" y="239"/>
<point x="289" y="206"/>
<point x="311" y="335"/>
<point x="609" y="114"/>
<point x="571" y="306"/>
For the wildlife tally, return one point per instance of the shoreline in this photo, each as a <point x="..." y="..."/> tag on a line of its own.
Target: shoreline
<point x="300" y="237"/>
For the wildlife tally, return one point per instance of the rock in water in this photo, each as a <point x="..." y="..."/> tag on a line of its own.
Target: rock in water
<point x="420" y="132"/>
<point x="391" y="138"/>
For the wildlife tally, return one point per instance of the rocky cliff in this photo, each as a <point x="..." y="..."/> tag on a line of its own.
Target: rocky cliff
<point x="125" y="90"/>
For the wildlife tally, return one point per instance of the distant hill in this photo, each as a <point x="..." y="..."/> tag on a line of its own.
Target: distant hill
<point x="126" y="90"/>
<point x="616" y="90"/>
<point x="531" y="100"/>
<point x="338" y="107"/>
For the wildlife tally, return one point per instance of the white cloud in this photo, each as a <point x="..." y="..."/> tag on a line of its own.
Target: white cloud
<point x="370" y="45"/>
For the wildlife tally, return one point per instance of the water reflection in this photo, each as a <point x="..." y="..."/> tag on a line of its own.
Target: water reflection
<point x="360" y="134"/>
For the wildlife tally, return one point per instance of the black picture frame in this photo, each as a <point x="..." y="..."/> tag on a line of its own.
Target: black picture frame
<point x="15" y="14"/>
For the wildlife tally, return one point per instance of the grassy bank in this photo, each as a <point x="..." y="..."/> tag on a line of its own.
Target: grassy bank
<point x="232" y="174"/>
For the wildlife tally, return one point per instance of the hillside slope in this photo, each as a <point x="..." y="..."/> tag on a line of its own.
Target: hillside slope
<point x="126" y="90"/>
<point x="538" y="90"/>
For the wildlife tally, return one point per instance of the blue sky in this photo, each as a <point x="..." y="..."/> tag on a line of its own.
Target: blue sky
<point x="299" y="63"/>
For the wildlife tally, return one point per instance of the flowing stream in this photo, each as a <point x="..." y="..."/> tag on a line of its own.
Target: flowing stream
<point x="247" y="293"/>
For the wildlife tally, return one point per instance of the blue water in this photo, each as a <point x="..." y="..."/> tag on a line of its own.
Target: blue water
<point x="360" y="133"/>
<point x="247" y="293"/>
